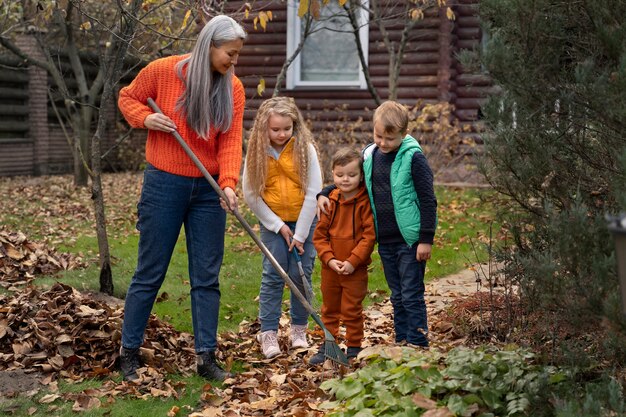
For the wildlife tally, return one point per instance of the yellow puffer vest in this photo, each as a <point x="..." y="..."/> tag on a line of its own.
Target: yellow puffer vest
<point x="283" y="190"/>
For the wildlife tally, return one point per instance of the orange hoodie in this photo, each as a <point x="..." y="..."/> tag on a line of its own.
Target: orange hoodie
<point x="347" y="232"/>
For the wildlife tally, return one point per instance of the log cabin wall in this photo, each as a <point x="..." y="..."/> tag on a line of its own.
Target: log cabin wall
<point x="430" y="73"/>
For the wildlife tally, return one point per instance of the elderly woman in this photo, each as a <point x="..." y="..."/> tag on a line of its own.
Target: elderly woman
<point x="202" y="99"/>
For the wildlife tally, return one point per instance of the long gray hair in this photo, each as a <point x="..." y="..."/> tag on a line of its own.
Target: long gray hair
<point x="216" y="107"/>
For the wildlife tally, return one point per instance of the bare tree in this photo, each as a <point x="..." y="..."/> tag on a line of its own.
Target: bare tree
<point x="104" y="35"/>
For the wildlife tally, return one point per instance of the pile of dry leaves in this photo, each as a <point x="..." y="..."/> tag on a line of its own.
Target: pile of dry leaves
<point x="62" y="333"/>
<point x="21" y="259"/>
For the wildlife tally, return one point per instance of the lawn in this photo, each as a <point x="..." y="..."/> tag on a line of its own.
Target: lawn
<point x="50" y="209"/>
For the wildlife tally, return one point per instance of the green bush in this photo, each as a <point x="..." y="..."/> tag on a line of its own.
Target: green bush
<point x="555" y="134"/>
<point x="485" y="382"/>
<point x="407" y="382"/>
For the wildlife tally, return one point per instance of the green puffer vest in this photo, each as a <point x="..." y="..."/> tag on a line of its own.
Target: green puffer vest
<point x="405" y="201"/>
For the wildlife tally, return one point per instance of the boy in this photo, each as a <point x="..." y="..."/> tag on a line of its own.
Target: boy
<point x="344" y="239"/>
<point x="400" y="187"/>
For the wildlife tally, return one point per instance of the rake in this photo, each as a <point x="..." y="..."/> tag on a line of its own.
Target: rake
<point x="332" y="350"/>
<point x="308" y="290"/>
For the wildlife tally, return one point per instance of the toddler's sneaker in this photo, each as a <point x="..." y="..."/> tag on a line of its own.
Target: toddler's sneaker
<point x="269" y="343"/>
<point x="298" y="336"/>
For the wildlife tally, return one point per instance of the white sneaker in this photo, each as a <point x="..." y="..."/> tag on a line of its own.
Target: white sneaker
<point x="269" y="343"/>
<point x="298" y="336"/>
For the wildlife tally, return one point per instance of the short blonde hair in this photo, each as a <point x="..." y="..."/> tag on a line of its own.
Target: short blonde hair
<point x="393" y="116"/>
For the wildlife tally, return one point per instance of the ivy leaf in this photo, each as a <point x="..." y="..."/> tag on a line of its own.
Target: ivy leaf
<point x="456" y="404"/>
<point x="349" y="389"/>
<point x="491" y="398"/>
<point x="558" y="377"/>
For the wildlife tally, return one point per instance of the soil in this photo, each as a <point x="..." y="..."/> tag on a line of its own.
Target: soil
<point x="18" y="382"/>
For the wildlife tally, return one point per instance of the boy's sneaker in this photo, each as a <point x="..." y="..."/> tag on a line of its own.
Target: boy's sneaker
<point x="269" y="343"/>
<point x="353" y="352"/>
<point x="129" y="363"/>
<point x="209" y="368"/>
<point x="298" y="336"/>
<point x="318" y="358"/>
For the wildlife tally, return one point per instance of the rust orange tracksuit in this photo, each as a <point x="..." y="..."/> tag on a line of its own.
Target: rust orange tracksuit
<point x="346" y="233"/>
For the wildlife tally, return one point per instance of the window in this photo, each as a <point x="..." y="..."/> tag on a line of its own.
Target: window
<point x="329" y="57"/>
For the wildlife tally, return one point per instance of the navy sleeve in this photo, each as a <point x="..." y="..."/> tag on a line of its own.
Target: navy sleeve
<point x="423" y="182"/>
<point x="326" y="191"/>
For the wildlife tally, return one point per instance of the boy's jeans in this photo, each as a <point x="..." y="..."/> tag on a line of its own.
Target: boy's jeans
<point x="405" y="277"/>
<point x="167" y="202"/>
<point x="272" y="285"/>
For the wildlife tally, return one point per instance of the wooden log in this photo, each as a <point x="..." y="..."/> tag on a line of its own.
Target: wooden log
<point x="13" y="93"/>
<point x="13" y="110"/>
<point x="468" y="21"/>
<point x="14" y="126"/>
<point x="14" y="76"/>
<point x="473" y="79"/>
<point x="469" y="103"/>
<point x="468" y="33"/>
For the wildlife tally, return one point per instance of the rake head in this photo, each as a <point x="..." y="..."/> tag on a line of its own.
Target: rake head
<point x="332" y="350"/>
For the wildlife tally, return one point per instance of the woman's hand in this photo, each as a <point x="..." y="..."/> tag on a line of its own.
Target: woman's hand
<point x="158" y="121"/>
<point x="232" y="200"/>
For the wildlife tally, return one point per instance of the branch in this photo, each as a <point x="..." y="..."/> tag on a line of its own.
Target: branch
<point x="283" y="71"/>
<point x="399" y="57"/>
<point x="72" y="51"/>
<point x="364" y="67"/>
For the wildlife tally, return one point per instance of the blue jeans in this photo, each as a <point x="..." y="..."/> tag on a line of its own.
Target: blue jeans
<point x="167" y="202"/>
<point x="272" y="285"/>
<point x="405" y="277"/>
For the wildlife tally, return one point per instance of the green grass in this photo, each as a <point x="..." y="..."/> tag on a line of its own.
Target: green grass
<point x="463" y="219"/>
<point x="150" y="406"/>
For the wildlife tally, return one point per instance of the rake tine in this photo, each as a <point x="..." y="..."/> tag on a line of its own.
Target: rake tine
<point x="330" y="345"/>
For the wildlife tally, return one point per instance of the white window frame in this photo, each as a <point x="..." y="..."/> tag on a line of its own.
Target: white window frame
<point x="294" y="30"/>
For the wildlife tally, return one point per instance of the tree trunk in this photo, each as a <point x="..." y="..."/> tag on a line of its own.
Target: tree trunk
<point x="106" y="276"/>
<point x="111" y="66"/>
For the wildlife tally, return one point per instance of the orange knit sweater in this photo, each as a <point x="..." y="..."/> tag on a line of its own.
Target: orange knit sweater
<point x="220" y="153"/>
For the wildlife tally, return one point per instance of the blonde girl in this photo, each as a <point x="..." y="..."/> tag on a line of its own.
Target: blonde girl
<point x="281" y="179"/>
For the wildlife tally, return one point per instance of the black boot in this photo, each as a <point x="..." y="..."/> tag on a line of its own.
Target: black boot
<point x="353" y="352"/>
<point x="209" y="368"/>
<point x="129" y="363"/>
<point x="319" y="357"/>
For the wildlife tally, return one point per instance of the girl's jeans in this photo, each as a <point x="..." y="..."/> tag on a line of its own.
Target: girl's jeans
<point x="405" y="277"/>
<point x="167" y="202"/>
<point x="272" y="285"/>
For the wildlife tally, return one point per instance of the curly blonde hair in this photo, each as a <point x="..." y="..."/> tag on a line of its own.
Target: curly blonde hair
<point x="259" y="143"/>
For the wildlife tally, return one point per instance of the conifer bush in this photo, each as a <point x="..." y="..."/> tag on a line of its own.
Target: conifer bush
<point x="555" y="138"/>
